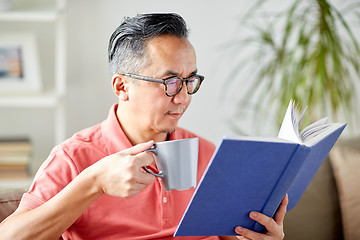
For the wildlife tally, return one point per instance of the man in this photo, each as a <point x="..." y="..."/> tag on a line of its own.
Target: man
<point x="92" y="186"/>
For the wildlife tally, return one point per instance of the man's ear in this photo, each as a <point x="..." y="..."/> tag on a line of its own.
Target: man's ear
<point x="119" y="85"/>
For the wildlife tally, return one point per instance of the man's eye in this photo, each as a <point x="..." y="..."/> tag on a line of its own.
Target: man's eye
<point x="172" y="82"/>
<point x="172" y="79"/>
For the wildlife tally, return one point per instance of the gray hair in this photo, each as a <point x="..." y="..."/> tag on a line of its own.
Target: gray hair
<point x="127" y="46"/>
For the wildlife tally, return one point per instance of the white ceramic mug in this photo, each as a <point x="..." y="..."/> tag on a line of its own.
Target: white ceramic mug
<point x="177" y="162"/>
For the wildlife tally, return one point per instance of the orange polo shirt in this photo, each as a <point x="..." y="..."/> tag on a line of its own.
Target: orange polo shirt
<point x="152" y="214"/>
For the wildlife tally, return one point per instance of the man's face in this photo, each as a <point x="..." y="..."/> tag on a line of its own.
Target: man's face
<point x="154" y="111"/>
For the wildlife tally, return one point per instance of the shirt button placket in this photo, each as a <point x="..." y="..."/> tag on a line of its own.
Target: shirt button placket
<point x="167" y="218"/>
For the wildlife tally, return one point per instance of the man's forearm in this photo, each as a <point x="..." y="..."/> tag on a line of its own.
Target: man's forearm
<point x="52" y="218"/>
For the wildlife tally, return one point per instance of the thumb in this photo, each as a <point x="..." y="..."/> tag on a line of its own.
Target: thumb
<point x="139" y="148"/>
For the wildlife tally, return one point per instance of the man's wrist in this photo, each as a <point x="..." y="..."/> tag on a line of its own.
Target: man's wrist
<point x="92" y="180"/>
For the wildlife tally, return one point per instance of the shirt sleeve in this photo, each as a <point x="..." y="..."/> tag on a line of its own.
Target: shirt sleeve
<point x="57" y="171"/>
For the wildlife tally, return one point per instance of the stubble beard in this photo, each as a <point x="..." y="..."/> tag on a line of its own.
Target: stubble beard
<point x="169" y="131"/>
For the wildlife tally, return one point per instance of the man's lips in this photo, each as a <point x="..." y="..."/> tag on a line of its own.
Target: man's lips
<point x="175" y="114"/>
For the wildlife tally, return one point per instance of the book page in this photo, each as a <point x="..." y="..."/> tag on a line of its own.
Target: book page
<point x="316" y="126"/>
<point x="320" y="132"/>
<point x="311" y="134"/>
<point x="290" y="126"/>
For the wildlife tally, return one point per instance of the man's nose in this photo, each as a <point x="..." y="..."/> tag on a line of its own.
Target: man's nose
<point x="182" y="97"/>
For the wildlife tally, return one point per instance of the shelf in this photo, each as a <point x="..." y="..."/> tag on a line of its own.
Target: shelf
<point x="45" y="100"/>
<point x="36" y="13"/>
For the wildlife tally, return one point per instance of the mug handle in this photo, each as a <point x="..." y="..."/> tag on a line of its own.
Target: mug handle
<point x="160" y="174"/>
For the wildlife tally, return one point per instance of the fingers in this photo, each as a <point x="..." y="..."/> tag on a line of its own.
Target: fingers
<point x="247" y="234"/>
<point x="144" y="159"/>
<point x="274" y="226"/>
<point x="120" y="174"/>
<point x="269" y="222"/>
<point x="145" y="178"/>
<point x="242" y="238"/>
<point x="264" y="220"/>
<point x="281" y="212"/>
<point x="140" y="160"/>
<point x="139" y="148"/>
<point x="275" y="233"/>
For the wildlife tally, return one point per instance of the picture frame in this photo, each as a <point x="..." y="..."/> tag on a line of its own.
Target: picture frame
<point x="19" y="65"/>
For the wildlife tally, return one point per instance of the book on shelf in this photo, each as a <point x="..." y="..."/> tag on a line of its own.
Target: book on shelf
<point x="254" y="174"/>
<point x="14" y="171"/>
<point x="15" y="156"/>
<point x="22" y="158"/>
<point x="15" y="145"/>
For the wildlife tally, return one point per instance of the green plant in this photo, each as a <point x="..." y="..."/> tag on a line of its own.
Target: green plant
<point x="307" y="53"/>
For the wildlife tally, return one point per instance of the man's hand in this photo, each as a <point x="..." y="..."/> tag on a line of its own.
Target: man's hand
<point x="274" y="227"/>
<point x="120" y="174"/>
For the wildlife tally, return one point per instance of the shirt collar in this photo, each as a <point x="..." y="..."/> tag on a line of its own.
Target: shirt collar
<point x="114" y="137"/>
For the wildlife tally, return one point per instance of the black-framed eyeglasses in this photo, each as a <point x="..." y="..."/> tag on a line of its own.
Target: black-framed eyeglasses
<point x="173" y="85"/>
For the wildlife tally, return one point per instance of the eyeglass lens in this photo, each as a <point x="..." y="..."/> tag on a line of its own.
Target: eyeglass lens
<point x="174" y="85"/>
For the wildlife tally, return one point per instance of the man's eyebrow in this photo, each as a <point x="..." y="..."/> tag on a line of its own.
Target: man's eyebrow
<point x="173" y="73"/>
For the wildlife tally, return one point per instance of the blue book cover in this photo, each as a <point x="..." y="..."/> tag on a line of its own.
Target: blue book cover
<point x="253" y="174"/>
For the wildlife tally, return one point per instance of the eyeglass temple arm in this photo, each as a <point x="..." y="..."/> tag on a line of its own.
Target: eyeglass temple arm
<point x="144" y="78"/>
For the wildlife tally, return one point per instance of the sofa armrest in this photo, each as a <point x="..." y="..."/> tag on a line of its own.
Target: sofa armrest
<point x="9" y="201"/>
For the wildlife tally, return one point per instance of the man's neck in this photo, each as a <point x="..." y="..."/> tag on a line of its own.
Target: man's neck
<point x="136" y="134"/>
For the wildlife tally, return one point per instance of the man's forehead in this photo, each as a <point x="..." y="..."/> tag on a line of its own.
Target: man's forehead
<point x="170" y="55"/>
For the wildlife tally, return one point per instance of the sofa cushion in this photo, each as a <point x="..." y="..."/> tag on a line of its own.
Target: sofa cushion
<point x="9" y="201"/>
<point x="317" y="214"/>
<point x="346" y="164"/>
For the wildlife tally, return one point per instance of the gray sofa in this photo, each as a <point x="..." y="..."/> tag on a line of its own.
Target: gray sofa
<point x="9" y="200"/>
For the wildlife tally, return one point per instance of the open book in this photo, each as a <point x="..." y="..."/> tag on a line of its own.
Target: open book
<point x="254" y="173"/>
<point x="311" y="134"/>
